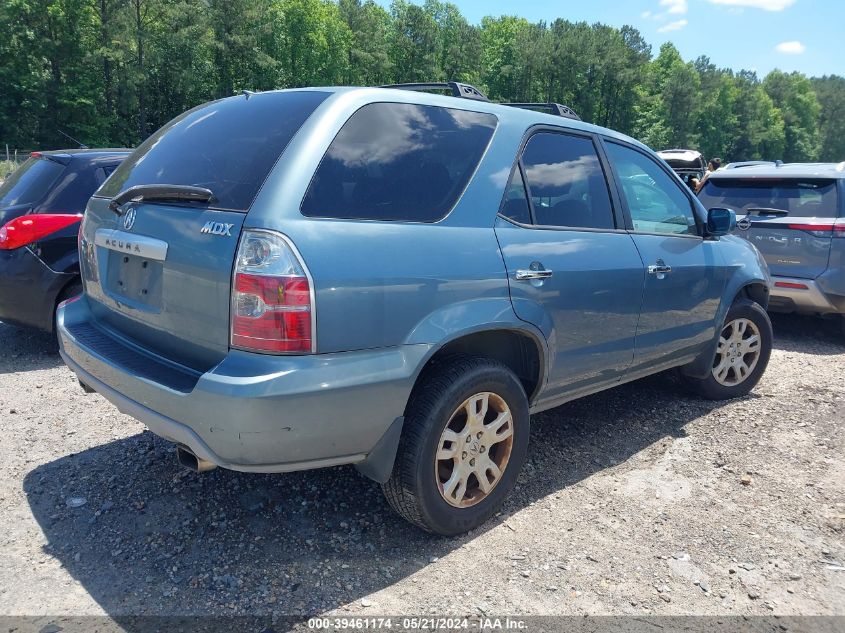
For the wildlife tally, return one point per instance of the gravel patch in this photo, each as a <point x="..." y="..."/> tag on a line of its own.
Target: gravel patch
<point x="639" y="500"/>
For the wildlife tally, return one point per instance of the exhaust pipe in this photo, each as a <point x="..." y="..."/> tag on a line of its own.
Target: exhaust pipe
<point x="187" y="458"/>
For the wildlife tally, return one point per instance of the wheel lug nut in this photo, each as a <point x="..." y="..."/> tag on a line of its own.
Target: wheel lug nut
<point x="483" y="449"/>
<point x="479" y="434"/>
<point x="469" y="439"/>
<point x="464" y="455"/>
<point x="472" y="462"/>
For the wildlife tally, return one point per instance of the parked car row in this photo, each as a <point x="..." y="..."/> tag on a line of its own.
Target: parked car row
<point x="395" y="279"/>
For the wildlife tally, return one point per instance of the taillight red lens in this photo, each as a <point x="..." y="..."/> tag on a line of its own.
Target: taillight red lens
<point x="790" y="284"/>
<point x="271" y="303"/>
<point x="30" y="228"/>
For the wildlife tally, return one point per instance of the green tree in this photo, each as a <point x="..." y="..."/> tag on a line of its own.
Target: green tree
<point x="793" y="95"/>
<point x="830" y="91"/>
<point x="413" y="43"/>
<point x="368" y="52"/>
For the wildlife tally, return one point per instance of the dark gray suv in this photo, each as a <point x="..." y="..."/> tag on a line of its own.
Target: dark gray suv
<point x="795" y="215"/>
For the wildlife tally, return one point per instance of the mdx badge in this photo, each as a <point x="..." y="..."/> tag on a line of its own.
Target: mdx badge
<point x="217" y="228"/>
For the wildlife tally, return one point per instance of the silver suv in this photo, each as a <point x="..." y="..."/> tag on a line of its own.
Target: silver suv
<point x="795" y="215"/>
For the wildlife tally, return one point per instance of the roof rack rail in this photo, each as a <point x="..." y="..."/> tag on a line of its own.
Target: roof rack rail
<point x="463" y="91"/>
<point x="554" y="108"/>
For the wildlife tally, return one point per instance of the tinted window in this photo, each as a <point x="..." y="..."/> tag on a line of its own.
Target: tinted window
<point x="29" y="182"/>
<point x="227" y="146"/>
<point x="655" y="200"/>
<point x="566" y="183"/>
<point x="802" y="198"/>
<point x="394" y="161"/>
<point x="515" y="204"/>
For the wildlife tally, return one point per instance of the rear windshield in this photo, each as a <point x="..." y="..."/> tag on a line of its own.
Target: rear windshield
<point x="402" y="162"/>
<point x="29" y="182"/>
<point x="812" y="198"/>
<point x="227" y="146"/>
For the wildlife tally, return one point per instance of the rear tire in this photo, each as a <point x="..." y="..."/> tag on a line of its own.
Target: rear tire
<point x="745" y="344"/>
<point x="464" y="442"/>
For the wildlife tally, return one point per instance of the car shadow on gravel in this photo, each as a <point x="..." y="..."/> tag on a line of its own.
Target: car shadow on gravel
<point x="155" y="539"/>
<point x="808" y="334"/>
<point x="26" y="349"/>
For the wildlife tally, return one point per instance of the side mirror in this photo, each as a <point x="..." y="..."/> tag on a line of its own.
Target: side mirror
<point x="720" y="222"/>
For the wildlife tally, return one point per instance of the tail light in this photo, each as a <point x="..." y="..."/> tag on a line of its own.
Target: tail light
<point x="837" y="229"/>
<point x="272" y="296"/>
<point x="30" y="228"/>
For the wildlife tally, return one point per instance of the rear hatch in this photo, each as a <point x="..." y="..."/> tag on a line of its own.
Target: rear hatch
<point x="790" y="220"/>
<point x="28" y="184"/>
<point x="160" y="236"/>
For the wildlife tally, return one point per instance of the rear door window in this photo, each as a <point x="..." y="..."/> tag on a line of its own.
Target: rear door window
<point x="227" y="146"/>
<point x="29" y="182"/>
<point x="810" y="198"/>
<point x="565" y="183"/>
<point x="399" y="162"/>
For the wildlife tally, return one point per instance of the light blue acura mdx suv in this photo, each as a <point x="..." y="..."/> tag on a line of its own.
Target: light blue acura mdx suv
<point x="397" y="279"/>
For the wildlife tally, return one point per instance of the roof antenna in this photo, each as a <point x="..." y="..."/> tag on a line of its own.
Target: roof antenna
<point x="247" y="93"/>
<point x="81" y="145"/>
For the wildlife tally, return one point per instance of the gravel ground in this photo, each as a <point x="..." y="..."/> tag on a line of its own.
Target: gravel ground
<point x="640" y="500"/>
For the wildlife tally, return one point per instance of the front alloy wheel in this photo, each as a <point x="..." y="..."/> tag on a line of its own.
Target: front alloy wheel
<point x="742" y="353"/>
<point x="737" y="353"/>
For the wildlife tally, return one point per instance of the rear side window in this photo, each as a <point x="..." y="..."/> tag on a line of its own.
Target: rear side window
<point x="565" y="183"/>
<point x="812" y="198"/>
<point x="29" y="182"/>
<point x="227" y="146"/>
<point x="400" y="162"/>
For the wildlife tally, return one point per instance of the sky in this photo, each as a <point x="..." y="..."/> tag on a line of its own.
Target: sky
<point x="759" y="35"/>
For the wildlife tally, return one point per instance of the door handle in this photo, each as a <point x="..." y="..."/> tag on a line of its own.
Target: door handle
<point x="522" y="275"/>
<point x="659" y="269"/>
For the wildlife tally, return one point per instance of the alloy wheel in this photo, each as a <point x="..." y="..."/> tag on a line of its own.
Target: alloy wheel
<point x="737" y="353"/>
<point x="474" y="449"/>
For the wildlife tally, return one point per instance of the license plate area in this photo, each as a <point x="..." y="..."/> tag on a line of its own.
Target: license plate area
<point x="135" y="279"/>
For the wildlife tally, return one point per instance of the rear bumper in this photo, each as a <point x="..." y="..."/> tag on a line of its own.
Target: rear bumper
<point x="28" y="289"/>
<point x="804" y="295"/>
<point x="254" y="412"/>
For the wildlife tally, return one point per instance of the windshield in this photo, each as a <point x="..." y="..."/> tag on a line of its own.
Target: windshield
<point x="227" y="146"/>
<point x="29" y="182"/>
<point x="813" y="198"/>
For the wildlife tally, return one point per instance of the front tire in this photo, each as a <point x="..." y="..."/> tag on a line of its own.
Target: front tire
<point x="464" y="442"/>
<point x="742" y="353"/>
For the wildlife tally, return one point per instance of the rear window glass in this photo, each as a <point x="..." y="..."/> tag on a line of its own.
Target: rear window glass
<point x="801" y="198"/>
<point x="400" y="162"/>
<point x="29" y="182"/>
<point x="227" y="146"/>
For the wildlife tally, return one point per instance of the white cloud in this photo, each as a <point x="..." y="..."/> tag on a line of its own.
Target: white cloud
<point x="675" y="6"/>
<point x="791" y="48"/>
<point x="767" y="5"/>
<point x="672" y="26"/>
<point x="645" y="14"/>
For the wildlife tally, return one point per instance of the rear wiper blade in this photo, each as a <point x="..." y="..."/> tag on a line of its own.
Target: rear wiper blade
<point x="767" y="211"/>
<point x="184" y="193"/>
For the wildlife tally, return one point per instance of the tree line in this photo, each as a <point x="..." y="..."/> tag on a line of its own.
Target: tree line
<point x="109" y="72"/>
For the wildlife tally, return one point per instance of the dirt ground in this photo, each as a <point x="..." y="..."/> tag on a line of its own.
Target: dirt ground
<point x="641" y="500"/>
